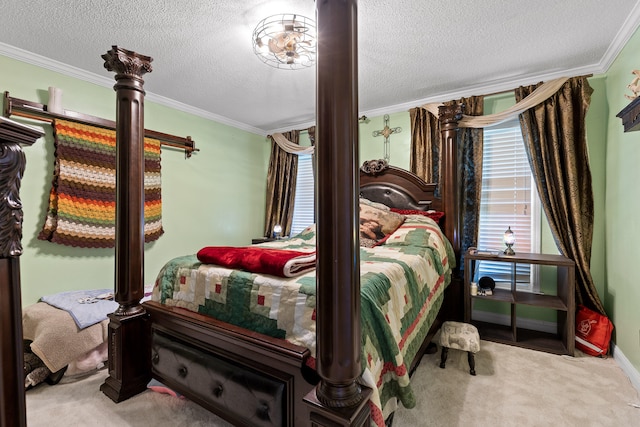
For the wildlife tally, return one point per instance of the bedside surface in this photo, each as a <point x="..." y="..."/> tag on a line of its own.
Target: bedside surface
<point x="262" y="240"/>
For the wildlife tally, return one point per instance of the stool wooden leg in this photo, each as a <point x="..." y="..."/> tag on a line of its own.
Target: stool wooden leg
<point x="443" y="356"/>
<point x="472" y="363"/>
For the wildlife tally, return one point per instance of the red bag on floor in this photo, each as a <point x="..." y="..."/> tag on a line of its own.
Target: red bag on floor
<point x="593" y="332"/>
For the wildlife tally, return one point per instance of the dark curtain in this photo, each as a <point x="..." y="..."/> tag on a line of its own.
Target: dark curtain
<point x="470" y="146"/>
<point x="425" y="145"/>
<point x="312" y="138"/>
<point x="554" y="133"/>
<point x="425" y="161"/>
<point x="281" y="186"/>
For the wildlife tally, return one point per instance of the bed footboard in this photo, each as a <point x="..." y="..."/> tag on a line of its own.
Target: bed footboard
<point x="219" y="382"/>
<point x="218" y="365"/>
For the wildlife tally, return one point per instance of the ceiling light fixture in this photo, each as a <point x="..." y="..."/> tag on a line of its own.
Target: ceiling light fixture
<point x="286" y="41"/>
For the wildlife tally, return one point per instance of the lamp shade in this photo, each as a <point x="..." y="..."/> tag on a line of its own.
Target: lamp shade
<point x="277" y="231"/>
<point x="286" y="41"/>
<point x="509" y="241"/>
<point x="509" y="237"/>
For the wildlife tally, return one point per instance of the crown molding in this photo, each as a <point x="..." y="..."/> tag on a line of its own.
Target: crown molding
<point x="301" y="126"/>
<point x="168" y="102"/>
<point x="77" y="73"/>
<point x="496" y="86"/>
<point x="53" y="65"/>
<point x="625" y="32"/>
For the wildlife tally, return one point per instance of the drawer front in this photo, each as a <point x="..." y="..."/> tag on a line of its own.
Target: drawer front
<point x="245" y="394"/>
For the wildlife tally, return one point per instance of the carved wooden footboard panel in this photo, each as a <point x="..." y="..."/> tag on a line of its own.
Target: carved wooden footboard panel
<point x="219" y="365"/>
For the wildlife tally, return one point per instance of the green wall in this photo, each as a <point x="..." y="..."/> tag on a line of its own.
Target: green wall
<point x="622" y="293"/>
<point x="372" y="147"/>
<point x="216" y="197"/>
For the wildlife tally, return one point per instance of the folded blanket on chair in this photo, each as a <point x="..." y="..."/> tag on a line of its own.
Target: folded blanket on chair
<point x="86" y="307"/>
<point x="276" y="262"/>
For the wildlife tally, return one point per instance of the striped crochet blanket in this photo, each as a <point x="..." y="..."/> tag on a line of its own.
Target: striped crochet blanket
<point x="82" y="201"/>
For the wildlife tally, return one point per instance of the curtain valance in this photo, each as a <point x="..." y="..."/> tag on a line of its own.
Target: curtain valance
<point x="541" y="94"/>
<point x="291" y="147"/>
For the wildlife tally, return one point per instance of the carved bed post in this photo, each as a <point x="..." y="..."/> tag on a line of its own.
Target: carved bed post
<point x="449" y="116"/>
<point x="338" y="399"/>
<point x="129" y="349"/>
<point x="13" y="410"/>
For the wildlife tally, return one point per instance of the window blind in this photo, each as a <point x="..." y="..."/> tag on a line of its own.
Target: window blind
<point x="508" y="200"/>
<point x="304" y="203"/>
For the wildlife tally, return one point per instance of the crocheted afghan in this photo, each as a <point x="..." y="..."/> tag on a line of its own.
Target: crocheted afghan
<point x="82" y="201"/>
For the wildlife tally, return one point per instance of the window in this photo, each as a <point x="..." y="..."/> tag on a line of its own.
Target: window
<point x="509" y="199"/>
<point x="304" y="206"/>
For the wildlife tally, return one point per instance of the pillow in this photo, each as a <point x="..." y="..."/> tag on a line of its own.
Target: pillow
<point x="434" y="215"/>
<point x="377" y="224"/>
<point x="308" y="233"/>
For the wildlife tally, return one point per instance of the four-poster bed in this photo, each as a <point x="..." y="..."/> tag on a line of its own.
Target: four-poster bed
<point x="273" y="370"/>
<point x="226" y="364"/>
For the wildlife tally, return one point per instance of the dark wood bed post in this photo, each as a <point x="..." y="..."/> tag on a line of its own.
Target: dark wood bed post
<point x="338" y="400"/>
<point x="449" y="115"/>
<point x="13" y="410"/>
<point x="128" y="326"/>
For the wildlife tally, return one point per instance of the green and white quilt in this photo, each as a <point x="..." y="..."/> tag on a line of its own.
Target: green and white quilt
<point x="402" y="286"/>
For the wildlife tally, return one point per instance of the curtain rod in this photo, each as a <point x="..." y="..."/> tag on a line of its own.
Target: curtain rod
<point x="36" y="111"/>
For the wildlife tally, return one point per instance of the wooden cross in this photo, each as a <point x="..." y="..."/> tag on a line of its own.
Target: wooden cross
<point x="386" y="132"/>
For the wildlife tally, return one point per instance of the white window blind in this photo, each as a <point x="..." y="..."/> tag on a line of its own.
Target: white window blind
<point x="304" y="205"/>
<point x="508" y="199"/>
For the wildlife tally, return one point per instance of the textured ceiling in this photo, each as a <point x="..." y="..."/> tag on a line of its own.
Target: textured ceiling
<point x="410" y="51"/>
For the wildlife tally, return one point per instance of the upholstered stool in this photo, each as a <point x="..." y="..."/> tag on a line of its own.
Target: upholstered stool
<point x="461" y="336"/>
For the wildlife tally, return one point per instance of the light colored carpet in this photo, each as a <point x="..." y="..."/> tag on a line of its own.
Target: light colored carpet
<point x="513" y="387"/>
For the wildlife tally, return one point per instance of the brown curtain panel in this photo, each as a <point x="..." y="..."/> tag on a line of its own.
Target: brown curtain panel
<point x="470" y="146"/>
<point x="554" y="133"/>
<point x="312" y="137"/>
<point x="281" y="186"/>
<point x="425" y="144"/>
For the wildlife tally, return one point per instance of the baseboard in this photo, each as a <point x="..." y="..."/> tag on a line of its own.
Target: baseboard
<point x="522" y="322"/>
<point x="626" y="366"/>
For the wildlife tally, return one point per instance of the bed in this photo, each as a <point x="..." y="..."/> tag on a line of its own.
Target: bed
<point x="218" y="364"/>
<point x="402" y="288"/>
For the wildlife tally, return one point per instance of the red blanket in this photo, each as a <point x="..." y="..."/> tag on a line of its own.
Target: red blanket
<point x="276" y="262"/>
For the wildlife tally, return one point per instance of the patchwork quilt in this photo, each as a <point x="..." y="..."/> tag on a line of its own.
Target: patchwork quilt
<point x="402" y="286"/>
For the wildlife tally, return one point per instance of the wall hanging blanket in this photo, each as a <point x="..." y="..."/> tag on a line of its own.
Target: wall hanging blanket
<point x="82" y="201"/>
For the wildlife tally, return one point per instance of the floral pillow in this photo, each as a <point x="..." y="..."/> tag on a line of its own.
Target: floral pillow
<point x="377" y="224"/>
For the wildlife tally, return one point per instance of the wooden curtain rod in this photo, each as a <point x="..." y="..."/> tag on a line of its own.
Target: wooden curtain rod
<point x="36" y="111"/>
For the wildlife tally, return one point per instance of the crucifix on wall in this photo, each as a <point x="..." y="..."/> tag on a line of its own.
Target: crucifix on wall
<point x="386" y="132"/>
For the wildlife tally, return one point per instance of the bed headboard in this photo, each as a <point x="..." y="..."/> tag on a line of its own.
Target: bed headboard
<point x="396" y="187"/>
